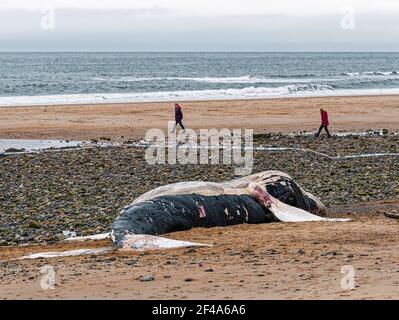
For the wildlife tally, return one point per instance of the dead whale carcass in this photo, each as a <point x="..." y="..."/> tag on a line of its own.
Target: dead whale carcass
<point x="268" y="196"/>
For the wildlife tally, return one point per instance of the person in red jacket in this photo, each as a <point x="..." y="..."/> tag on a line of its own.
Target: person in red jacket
<point x="324" y="123"/>
<point x="178" y="117"/>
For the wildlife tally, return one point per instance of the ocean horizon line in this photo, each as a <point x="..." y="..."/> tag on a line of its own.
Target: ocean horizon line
<point x="174" y="52"/>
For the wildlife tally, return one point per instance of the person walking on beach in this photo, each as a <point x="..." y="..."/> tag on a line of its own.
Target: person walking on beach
<point x="178" y="117"/>
<point x="324" y="123"/>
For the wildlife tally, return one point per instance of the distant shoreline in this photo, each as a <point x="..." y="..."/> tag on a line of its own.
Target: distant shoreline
<point x="102" y="100"/>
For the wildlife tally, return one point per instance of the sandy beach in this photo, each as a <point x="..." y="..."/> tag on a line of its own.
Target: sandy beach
<point x="269" y="261"/>
<point x="131" y="121"/>
<point x="83" y="190"/>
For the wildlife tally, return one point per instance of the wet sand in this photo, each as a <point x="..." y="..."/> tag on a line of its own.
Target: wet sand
<point x="134" y="119"/>
<point x="269" y="261"/>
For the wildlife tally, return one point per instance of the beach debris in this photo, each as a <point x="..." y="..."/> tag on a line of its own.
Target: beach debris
<point x="301" y="251"/>
<point x="393" y="214"/>
<point x="147" y="278"/>
<point x="69" y="234"/>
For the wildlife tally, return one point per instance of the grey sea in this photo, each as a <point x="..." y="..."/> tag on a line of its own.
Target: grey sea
<point x="72" y="78"/>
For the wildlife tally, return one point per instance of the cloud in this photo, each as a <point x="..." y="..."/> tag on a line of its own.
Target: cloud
<point x="159" y="29"/>
<point x="214" y="7"/>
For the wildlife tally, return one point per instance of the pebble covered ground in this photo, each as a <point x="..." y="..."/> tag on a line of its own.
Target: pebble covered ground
<point x="44" y="194"/>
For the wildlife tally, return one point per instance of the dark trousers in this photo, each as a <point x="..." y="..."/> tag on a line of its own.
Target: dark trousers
<point x="321" y="128"/>
<point x="180" y="123"/>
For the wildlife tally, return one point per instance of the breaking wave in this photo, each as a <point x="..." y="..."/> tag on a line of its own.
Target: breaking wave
<point x="218" y="80"/>
<point x="307" y="90"/>
<point x="248" y="79"/>
<point x="310" y="87"/>
<point x="370" y="73"/>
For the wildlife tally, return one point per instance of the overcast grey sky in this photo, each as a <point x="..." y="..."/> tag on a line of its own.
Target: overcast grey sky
<point x="206" y="25"/>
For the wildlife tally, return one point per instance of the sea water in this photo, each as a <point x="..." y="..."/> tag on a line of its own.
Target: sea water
<point x="73" y="78"/>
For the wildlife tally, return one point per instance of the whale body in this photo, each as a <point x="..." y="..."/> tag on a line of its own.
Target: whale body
<point x="269" y="196"/>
